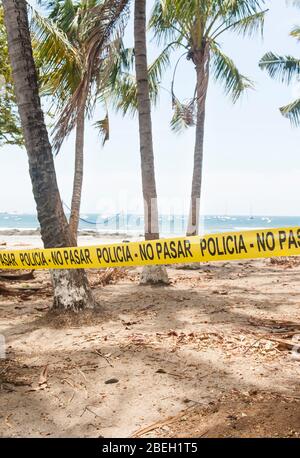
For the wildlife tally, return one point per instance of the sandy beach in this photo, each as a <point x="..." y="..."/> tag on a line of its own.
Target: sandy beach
<point x="213" y="355"/>
<point x="173" y="125"/>
<point x="15" y="239"/>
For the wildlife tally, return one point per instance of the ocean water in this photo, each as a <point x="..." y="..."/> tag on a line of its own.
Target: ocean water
<point x="169" y="225"/>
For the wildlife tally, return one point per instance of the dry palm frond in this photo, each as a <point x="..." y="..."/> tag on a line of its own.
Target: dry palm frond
<point x="103" y="127"/>
<point x="74" y="46"/>
<point x="105" y="22"/>
<point x="184" y="114"/>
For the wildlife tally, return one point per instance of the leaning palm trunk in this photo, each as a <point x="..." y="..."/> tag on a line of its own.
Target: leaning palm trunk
<point x="71" y="288"/>
<point x="78" y="172"/>
<point x="201" y="59"/>
<point x="157" y="274"/>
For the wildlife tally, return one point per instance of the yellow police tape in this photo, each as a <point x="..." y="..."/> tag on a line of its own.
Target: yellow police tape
<point x="228" y="246"/>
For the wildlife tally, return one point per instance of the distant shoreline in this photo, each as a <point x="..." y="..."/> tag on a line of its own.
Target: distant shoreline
<point x="20" y="230"/>
<point x="82" y="232"/>
<point x="31" y="238"/>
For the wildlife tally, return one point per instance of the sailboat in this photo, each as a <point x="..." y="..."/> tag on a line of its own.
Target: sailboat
<point x="251" y="213"/>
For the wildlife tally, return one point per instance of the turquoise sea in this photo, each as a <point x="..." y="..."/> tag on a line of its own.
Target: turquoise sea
<point x="169" y="224"/>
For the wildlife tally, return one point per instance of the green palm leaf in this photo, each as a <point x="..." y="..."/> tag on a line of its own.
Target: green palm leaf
<point x="53" y="43"/>
<point x="225" y="72"/>
<point x="248" y="26"/>
<point x="196" y="24"/>
<point x="124" y="91"/>
<point x="296" y="32"/>
<point x="103" y="127"/>
<point x="292" y="112"/>
<point x="283" y="68"/>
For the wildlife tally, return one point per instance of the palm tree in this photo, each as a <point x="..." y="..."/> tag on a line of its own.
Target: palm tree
<point x="132" y="93"/>
<point x="71" y="288"/>
<point x="286" y="69"/>
<point x="157" y="274"/>
<point x="10" y="129"/>
<point x="196" y="27"/>
<point x="76" y="43"/>
<point x="145" y="124"/>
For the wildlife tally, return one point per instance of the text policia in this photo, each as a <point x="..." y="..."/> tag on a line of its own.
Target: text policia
<point x="216" y="247"/>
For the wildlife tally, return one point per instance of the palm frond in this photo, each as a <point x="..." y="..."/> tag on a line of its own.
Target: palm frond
<point x="292" y="112"/>
<point x="283" y="68"/>
<point x="295" y="3"/>
<point x="225" y="72"/>
<point x="124" y="94"/>
<point x="121" y="61"/>
<point x="103" y="127"/>
<point x="247" y="26"/>
<point x="164" y="22"/>
<point x="53" y="42"/>
<point x="124" y="91"/>
<point x="59" y="62"/>
<point x="295" y="32"/>
<point x="104" y="24"/>
<point x="183" y="115"/>
<point x="161" y="63"/>
<point x="236" y="10"/>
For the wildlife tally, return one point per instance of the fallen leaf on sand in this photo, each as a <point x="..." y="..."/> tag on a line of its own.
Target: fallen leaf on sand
<point x="172" y="333"/>
<point x="111" y="380"/>
<point x="43" y="380"/>
<point x="222" y="292"/>
<point x="7" y="422"/>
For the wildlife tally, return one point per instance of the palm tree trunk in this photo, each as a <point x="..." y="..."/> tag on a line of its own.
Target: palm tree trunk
<point x="78" y="172"/>
<point x="71" y="288"/>
<point x="201" y="59"/>
<point x="157" y="274"/>
<point x="145" y="124"/>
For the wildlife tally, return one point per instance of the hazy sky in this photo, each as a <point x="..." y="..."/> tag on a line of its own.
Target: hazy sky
<point x="252" y="154"/>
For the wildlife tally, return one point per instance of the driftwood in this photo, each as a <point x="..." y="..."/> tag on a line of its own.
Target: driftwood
<point x="276" y="324"/>
<point x="17" y="277"/>
<point x="7" y="292"/>
<point x="283" y="344"/>
<point x="107" y="276"/>
<point x="17" y="291"/>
